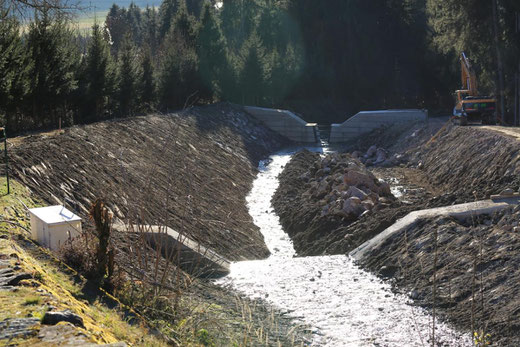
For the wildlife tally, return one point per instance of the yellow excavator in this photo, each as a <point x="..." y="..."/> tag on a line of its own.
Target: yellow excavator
<point x="471" y="107"/>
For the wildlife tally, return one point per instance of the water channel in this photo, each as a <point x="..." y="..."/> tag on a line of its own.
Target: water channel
<point x="343" y="304"/>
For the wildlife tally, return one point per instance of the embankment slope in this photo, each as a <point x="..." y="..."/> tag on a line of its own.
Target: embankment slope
<point x="189" y="170"/>
<point x="454" y="165"/>
<point x="470" y="163"/>
<point x="471" y="263"/>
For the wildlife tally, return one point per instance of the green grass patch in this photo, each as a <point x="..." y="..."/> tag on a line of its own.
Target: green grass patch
<point x="32" y="300"/>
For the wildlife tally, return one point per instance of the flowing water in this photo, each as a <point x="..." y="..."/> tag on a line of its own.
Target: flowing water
<point x="343" y="304"/>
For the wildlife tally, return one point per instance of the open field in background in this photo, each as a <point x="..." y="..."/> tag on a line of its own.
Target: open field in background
<point x="97" y="11"/>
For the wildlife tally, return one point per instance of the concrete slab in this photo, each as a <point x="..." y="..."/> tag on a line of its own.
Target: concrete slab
<point x="192" y="257"/>
<point x="461" y="211"/>
<point x="286" y="123"/>
<point x="366" y="121"/>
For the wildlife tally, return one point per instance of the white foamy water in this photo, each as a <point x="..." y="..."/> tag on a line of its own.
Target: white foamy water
<point x="344" y="305"/>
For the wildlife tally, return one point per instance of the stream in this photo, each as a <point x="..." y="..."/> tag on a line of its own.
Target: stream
<point x="343" y="304"/>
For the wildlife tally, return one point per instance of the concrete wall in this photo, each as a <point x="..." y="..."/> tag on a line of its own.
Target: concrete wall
<point x="461" y="211"/>
<point x="366" y="121"/>
<point x="285" y="123"/>
<point x="192" y="257"/>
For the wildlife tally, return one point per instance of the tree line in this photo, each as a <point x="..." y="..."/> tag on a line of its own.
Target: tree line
<point x="369" y="54"/>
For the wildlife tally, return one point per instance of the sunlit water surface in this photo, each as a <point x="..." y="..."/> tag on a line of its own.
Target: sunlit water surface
<point x="343" y="305"/>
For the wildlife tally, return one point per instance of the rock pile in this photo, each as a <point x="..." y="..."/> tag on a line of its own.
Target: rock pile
<point x="377" y="156"/>
<point x="344" y="187"/>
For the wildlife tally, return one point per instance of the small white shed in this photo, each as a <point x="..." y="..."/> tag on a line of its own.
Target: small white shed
<point x="52" y="226"/>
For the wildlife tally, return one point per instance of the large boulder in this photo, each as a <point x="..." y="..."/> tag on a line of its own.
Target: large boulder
<point x="358" y="178"/>
<point x="353" y="207"/>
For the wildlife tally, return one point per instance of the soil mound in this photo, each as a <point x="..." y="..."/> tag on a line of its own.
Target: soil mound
<point x="190" y="171"/>
<point x="319" y="198"/>
<point x="470" y="163"/>
<point x="476" y="272"/>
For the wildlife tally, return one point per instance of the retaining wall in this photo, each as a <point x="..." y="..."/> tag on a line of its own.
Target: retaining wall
<point x="285" y="123"/>
<point x="366" y="121"/>
<point x="461" y="211"/>
<point x="193" y="258"/>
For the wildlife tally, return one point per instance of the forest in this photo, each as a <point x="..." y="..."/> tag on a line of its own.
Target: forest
<point x="355" y="53"/>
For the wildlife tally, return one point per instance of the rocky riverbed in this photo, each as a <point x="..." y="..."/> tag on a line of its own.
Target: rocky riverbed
<point x="342" y="304"/>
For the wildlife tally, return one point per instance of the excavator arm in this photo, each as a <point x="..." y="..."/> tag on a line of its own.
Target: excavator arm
<point x="471" y="107"/>
<point x="468" y="77"/>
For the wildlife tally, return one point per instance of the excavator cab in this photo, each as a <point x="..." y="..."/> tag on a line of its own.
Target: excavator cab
<point x="471" y="107"/>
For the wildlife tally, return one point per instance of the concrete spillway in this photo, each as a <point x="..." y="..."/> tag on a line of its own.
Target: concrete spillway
<point x="285" y="123"/>
<point x="460" y="211"/>
<point x="366" y="121"/>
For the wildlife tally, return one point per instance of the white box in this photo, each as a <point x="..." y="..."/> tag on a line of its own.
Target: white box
<point x="52" y="226"/>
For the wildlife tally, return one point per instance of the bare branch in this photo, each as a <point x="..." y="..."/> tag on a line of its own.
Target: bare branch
<point x="25" y="8"/>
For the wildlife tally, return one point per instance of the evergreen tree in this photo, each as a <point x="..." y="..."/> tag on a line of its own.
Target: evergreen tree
<point x="211" y="50"/>
<point x="116" y="25"/>
<point x="127" y="81"/>
<point x="150" y="30"/>
<point x="178" y="75"/>
<point x="238" y="18"/>
<point x="135" y="23"/>
<point x="98" y="78"/>
<point x="195" y="7"/>
<point x="167" y="12"/>
<point x="252" y="76"/>
<point x="15" y="66"/>
<point x="268" y="26"/>
<point x="184" y="25"/>
<point x="282" y="78"/>
<point x="53" y="79"/>
<point x="146" y="86"/>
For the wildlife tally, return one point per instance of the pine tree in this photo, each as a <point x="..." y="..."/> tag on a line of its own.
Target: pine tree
<point x="15" y="66"/>
<point x="98" y="77"/>
<point x="252" y="76"/>
<point x="238" y="18"/>
<point x="167" y="12"/>
<point x="184" y="25"/>
<point x="127" y="79"/>
<point x="268" y="26"/>
<point x="55" y="56"/>
<point x="116" y="25"/>
<point x="150" y="30"/>
<point x="194" y="7"/>
<point x="178" y="75"/>
<point x="146" y="87"/>
<point x="211" y="50"/>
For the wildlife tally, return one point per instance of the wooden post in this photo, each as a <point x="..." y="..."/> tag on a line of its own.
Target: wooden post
<point x="4" y="134"/>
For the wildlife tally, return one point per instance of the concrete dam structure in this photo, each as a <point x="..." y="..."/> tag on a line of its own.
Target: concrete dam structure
<point x="285" y="123"/>
<point x="366" y="121"/>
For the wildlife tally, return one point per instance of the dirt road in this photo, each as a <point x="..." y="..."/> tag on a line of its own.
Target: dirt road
<point x="515" y="132"/>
